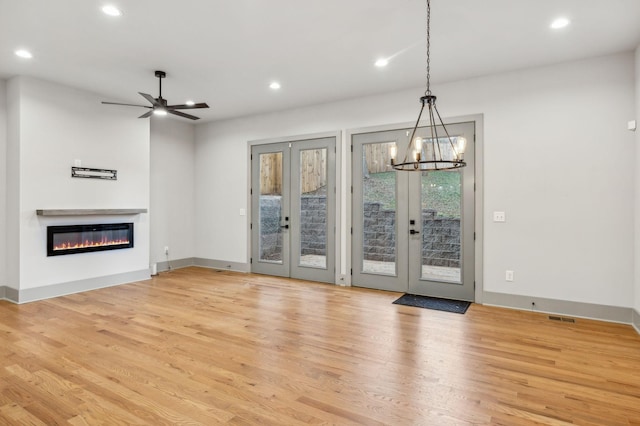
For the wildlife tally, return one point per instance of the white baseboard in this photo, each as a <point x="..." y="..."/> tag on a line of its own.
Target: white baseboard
<point x="563" y="307"/>
<point x="175" y="264"/>
<point x="222" y="264"/>
<point x="63" y="289"/>
<point x="635" y="321"/>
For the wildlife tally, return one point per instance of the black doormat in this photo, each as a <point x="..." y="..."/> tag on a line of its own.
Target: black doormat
<point x="456" y="306"/>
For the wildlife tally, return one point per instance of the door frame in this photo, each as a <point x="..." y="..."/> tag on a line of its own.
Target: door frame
<point x="339" y="203"/>
<point x="478" y="120"/>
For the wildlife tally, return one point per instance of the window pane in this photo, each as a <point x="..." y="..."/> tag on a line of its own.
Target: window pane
<point x="270" y="207"/>
<point x="313" y="208"/>
<point x="379" y="210"/>
<point x="441" y="232"/>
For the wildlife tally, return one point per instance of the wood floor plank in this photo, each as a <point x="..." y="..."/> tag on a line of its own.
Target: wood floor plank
<point x="199" y="346"/>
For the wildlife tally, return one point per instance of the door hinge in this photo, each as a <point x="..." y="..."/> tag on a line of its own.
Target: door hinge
<point x="474" y="187"/>
<point x="251" y="157"/>
<point x="351" y="272"/>
<point x="251" y="226"/>
<point x="474" y="236"/>
<point x="351" y="148"/>
<point x="250" y="191"/>
<point x="352" y="230"/>
<point x="251" y="260"/>
<point x="352" y="189"/>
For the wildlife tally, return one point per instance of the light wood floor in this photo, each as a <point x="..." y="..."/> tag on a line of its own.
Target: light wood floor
<point x="196" y="346"/>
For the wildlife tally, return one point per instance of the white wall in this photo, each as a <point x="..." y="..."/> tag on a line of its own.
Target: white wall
<point x="12" y="253"/>
<point x="172" y="189"/>
<point x="637" y="182"/>
<point x="57" y="125"/>
<point x="555" y="142"/>
<point x="556" y="161"/>
<point x="3" y="182"/>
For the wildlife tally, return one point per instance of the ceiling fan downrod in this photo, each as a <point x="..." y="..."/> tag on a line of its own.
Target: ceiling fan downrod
<point x="160" y="75"/>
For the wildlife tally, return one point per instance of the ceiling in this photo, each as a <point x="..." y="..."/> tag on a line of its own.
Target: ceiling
<point x="227" y="52"/>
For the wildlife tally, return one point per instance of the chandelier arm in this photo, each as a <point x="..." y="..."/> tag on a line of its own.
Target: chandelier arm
<point x="413" y="133"/>
<point x="434" y="136"/>
<point x="455" y="151"/>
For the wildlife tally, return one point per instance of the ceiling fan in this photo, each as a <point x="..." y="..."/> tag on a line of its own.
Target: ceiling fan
<point x="160" y="105"/>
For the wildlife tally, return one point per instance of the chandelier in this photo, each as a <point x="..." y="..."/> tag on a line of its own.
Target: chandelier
<point x="439" y="150"/>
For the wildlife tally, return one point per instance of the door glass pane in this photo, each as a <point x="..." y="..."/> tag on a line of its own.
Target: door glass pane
<point x="313" y="208"/>
<point x="379" y="210"/>
<point x="270" y="207"/>
<point x="441" y="232"/>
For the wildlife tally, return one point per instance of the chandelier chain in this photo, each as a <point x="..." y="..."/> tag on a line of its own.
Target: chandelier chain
<point x="428" y="91"/>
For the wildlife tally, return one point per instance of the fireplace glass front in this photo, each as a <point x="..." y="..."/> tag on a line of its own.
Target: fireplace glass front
<point x="73" y="239"/>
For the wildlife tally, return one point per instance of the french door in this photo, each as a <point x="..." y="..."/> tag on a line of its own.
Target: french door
<point x="413" y="231"/>
<point x="293" y="209"/>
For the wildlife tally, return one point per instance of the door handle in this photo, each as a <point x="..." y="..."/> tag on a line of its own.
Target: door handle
<point x="413" y="232"/>
<point x="285" y="226"/>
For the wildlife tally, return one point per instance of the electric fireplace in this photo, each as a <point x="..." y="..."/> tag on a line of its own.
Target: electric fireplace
<point x="72" y="239"/>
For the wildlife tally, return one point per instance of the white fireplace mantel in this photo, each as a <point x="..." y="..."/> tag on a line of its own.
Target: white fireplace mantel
<point x="88" y="212"/>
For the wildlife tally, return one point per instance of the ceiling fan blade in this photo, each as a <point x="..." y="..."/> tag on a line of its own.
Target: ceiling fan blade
<point x="185" y="106"/>
<point x="182" y="114"/>
<point x="117" y="103"/>
<point x="150" y="99"/>
<point x="147" y="114"/>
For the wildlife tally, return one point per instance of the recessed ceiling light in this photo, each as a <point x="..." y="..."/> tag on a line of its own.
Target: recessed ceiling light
<point x="382" y="62"/>
<point x="111" y="10"/>
<point x="275" y="85"/>
<point x="190" y="103"/>
<point x="23" y="54"/>
<point x="560" y="23"/>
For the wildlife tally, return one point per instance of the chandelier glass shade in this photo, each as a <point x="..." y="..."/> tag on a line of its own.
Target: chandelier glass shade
<point x="439" y="150"/>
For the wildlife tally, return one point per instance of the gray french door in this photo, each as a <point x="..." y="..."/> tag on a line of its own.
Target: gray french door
<point x="293" y="209"/>
<point x="412" y="231"/>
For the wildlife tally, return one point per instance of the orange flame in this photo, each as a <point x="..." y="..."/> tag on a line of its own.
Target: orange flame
<point x="87" y="244"/>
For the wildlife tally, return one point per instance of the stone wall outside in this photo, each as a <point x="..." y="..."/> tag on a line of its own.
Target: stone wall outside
<point x="440" y="236"/>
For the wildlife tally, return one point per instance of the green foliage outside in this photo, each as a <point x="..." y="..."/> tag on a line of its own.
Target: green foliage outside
<point x="441" y="191"/>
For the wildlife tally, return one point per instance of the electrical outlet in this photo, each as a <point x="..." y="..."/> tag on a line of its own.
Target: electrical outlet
<point x="166" y="249"/>
<point x="508" y="276"/>
<point x="499" y="217"/>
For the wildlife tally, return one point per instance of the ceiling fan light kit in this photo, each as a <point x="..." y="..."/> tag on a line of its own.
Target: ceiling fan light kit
<point x="160" y="106"/>
<point x="437" y="151"/>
